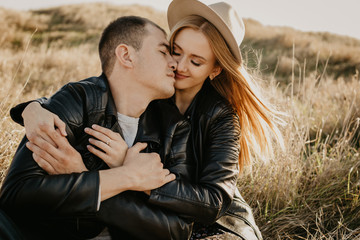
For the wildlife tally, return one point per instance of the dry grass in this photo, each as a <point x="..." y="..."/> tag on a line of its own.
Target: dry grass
<point x="340" y="55"/>
<point x="310" y="191"/>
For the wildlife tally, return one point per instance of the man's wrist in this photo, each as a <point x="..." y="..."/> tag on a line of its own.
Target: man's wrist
<point x="131" y="182"/>
<point x="114" y="181"/>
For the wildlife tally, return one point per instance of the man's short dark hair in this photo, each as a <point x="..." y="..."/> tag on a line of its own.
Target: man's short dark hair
<point x="129" y="30"/>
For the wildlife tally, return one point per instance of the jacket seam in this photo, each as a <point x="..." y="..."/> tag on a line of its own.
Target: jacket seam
<point x="195" y="203"/>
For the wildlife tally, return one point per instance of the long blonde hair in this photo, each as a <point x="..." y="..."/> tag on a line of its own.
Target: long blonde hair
<point x="257" y="118"/>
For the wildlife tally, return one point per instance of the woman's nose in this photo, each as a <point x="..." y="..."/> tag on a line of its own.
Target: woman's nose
<point x="181" y="64"/>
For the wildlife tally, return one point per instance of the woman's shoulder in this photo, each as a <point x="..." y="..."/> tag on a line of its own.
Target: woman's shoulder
<point x="212" y="103"/>
<point x="212" y="109"/>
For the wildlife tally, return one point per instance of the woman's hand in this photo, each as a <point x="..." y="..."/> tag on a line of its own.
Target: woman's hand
<point x="41" y="123"/>
<point x="113" y="146"/>
<point x="62" y="159"/>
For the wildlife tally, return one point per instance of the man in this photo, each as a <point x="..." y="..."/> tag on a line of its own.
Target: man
<point x="137" y="68"/>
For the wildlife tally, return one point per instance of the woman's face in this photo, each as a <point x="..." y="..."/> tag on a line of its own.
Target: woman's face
<point x="196" y="61"/>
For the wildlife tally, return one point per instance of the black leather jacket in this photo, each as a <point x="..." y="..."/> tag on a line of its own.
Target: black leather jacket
<point x="191" y="146"/>
<point x="202" y="148"/>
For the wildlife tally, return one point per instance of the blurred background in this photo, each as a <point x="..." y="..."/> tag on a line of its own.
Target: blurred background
<point x="334" y="16"/>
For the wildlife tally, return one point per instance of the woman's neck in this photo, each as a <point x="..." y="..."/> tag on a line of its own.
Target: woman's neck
<point x="183" y="99"/>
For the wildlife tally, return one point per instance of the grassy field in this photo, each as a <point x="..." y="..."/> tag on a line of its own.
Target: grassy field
<point x="310" y="191"/>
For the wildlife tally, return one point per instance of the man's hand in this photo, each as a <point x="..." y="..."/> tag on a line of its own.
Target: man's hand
<point x="113" y="146"/>
<point x="146" y="169"/>
<point x="140" y="172"/>
<point x="41" y="123"/>
<point x="63" y="159"/>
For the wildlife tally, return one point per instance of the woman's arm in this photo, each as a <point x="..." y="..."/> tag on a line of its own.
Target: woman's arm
<point x="207" y="199"/>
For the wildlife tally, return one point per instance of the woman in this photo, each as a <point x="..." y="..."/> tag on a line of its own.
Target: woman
<point x="216" y="111"/>
<point x="219" y="98"/>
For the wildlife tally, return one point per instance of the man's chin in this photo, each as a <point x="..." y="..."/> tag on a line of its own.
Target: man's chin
<point x="167" y="94"/>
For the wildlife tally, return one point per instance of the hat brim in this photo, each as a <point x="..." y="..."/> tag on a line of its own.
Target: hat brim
<point x="179" y="9"/>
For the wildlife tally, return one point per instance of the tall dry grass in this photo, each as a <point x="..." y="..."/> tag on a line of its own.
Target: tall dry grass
<point x="309" y="191"/>
<point x="312" y="189"/>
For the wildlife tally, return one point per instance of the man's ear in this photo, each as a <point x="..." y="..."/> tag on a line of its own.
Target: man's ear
<point x="215" y="72"/>
<point x="124" y="55"/>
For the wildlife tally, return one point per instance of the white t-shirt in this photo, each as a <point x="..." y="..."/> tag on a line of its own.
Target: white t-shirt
<point x="129" y="127"/>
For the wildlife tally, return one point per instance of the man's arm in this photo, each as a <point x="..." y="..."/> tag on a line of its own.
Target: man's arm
<point x="138" y="171"/>
<point x="29" y="187"/>
<point x="128" y="209"/>
<point x="118" y="209"/>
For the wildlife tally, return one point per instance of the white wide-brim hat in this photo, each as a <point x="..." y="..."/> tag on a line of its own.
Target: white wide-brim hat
<point x="220" y="14"/>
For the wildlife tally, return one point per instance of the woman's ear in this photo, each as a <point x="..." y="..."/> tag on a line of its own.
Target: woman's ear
<point x="124" y="55"/>
<point x="215" y="72"/>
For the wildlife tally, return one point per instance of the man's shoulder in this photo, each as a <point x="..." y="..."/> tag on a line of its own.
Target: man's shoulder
<point x="97" y="84"/>
<point x="77" y="99"/>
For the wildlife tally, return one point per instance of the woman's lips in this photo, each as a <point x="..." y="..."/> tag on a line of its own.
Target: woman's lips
<point x="180" y="76"/>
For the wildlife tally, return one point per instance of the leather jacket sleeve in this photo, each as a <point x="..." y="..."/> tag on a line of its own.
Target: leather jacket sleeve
<point x="122" y="210"/>
<point x="29" y="189"/>
<point x="211" y="194"/>
<point x="155" y="223"/>
<point x="8" y="229"/>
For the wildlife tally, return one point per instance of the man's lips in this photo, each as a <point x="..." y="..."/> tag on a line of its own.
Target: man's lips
<point x="172" y="75"/>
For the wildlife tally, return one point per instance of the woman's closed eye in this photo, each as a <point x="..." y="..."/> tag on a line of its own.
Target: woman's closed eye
<point x="195" y="63"/>
<point x="175" y="53"/>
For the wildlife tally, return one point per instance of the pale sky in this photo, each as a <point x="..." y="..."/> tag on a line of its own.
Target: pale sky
<point x="336" y="16"/>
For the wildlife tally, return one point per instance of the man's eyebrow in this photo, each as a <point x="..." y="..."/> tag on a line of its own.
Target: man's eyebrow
<point x="194" y="55"/>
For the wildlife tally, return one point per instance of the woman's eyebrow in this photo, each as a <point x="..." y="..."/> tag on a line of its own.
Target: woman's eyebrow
<point x="194" y="55"/>
<point x="163" y="44"/>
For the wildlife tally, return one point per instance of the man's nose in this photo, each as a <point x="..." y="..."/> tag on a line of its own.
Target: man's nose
<point x="172" y="63"/>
